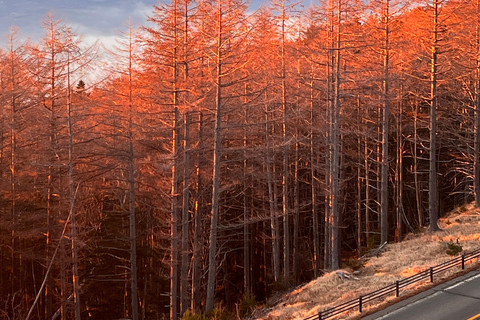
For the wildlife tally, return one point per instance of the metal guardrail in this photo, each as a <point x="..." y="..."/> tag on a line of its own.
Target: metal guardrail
<point x="395" y="287"/>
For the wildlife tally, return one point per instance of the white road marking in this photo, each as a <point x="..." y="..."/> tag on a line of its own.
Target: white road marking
<point x="462" y="282"/>
<point x="409" y="305"/>
<point x="428" y="297"/>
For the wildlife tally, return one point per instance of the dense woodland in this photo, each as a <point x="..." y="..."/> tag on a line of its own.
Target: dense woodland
<point x="219" y="151"/>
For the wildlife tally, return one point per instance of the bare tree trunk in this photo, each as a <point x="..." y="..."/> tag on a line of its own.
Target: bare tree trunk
<point x="359" y="184"/>
<point x="71" y="182"/>
<point x="476" y="161"/>
<point x="133" y="237"/>
<point x="198" y="241"/>
<point x="274" y="225"/>
<point x="399" y="167"/>
<point x="328" y="133"/>
<point x="13" y="144"/>
<point x="246" y="231"/>
<point x="368" y="208"/>
<point x="63" y="284"/>
<point x="285" y="182"/>
<point x="296" y="214"/>
<point x="313" y="181"/>
<point x="184" y="290"/>
<point x="176" y="210"/>
<point x="385" y="125"/>
<point x="335" y="167"/>
<point x="415" y="168"/>
<point x="175" y="246"/>
<point x="53" y="138"/>
<point x="432" y="179"/>
<point x="217" y="146"/>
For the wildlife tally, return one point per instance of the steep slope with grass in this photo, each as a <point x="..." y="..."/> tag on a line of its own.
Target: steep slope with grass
<point x="399" y="260"/>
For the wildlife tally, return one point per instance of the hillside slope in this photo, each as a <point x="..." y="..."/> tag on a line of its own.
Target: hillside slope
<point x="399" y="260"/>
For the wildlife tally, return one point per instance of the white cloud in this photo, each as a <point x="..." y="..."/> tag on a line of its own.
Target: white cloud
<point x="94" y="18"/>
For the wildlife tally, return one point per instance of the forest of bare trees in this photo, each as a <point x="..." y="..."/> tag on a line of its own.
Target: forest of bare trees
<point x="220" y="153"/>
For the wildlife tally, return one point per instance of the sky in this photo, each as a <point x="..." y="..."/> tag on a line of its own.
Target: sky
<point x="94" y="19"/>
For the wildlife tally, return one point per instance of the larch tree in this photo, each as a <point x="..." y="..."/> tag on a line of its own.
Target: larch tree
<point x="385" y="121"/>
<point x="169" y="53"/>
<point x="332" y="216"/>
<point x="432" y="172"/>
<point x="227" y="56"/>
<point x="125" y="54"/>
<point x="53" y="59"/>
<point x="264" y="47"/>
<point x="59" y="58"/>
<point x="476" y="162"/>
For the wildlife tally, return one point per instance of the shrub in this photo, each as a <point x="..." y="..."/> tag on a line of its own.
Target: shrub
<point x="247" y="304"/>
<point x="453" y="248"/>
<point x="189" y="315"/>
<point x="353" y="263"/>
<point x="219" y="314"/>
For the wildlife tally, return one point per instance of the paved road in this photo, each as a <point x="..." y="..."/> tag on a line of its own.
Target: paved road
<point x="458" y="299"/>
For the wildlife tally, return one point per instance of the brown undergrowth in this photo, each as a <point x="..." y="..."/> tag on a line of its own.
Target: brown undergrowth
<point x="400" y="260"/>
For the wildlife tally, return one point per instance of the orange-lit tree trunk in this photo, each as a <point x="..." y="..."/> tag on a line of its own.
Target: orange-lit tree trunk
<point x="217" y="146"/>
<point x="476" y="162"/>
<point x="185" y="248"/>
<point x="175" y="193"/>
<point x="432" y="172"/>
<point x="176" y="214"/>
<point x="71" y="191"/>
<point x="385" y="123"/>
<point x="198" y="235"/>
<point x="313" y="180"/>
<point x="334" y="136"/>
<point x="227" y="57"/>
<point x="131" y="182"/>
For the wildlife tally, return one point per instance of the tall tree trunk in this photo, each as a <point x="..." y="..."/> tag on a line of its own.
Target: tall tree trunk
<point x="217" y="146"/>
<point x="286" y="168"/>
<point x="198" y="240"/>
<point x="176" y="209"/>
<point x="399" y="167"/>
<point x="335" y="167"/>
<point x="296" y="213"/>
<point x="71" y="185"/>
<point x="274" y="225"/>
<point x="432" y="178"/>
<point x="176" y="214"/>
<point x="476" y="161"/>
<point x="313" y="182"/>
<point x="385" y="124"/>
<point x="366" y="157"/>
<point x="184" y="290"/>
<point x="50" y="192"/>
<point x="247" y="286"/>
<point x="359" y="184"/>
<point x="13" y="108"/>
<point x="328" y="133"/>
<point x="418" y="197"/>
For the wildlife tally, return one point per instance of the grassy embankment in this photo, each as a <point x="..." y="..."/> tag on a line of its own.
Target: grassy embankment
<point x="399" y="260"/>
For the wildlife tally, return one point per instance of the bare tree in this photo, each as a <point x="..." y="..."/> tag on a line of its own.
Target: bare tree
<point x="432" y="172"/>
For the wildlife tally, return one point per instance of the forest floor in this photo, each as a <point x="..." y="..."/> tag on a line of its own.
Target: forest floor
<point x="399" y="260"/>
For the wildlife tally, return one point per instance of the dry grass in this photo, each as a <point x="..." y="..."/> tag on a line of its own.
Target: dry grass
<point x="416" y="253"/>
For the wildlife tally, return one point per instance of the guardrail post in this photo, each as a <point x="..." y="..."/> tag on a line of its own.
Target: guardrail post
<point x="397" y="288"/>
<point x="431" y="274"/>
<point x="320" y="315"/>
<point x="463" y="261"/>
<point x="360" y="304"/>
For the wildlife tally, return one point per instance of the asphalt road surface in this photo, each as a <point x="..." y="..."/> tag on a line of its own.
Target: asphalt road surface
<point x="458" y="299"/>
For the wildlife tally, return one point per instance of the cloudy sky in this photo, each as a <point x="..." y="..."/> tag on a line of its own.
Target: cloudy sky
<point x="92" y="18"/>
